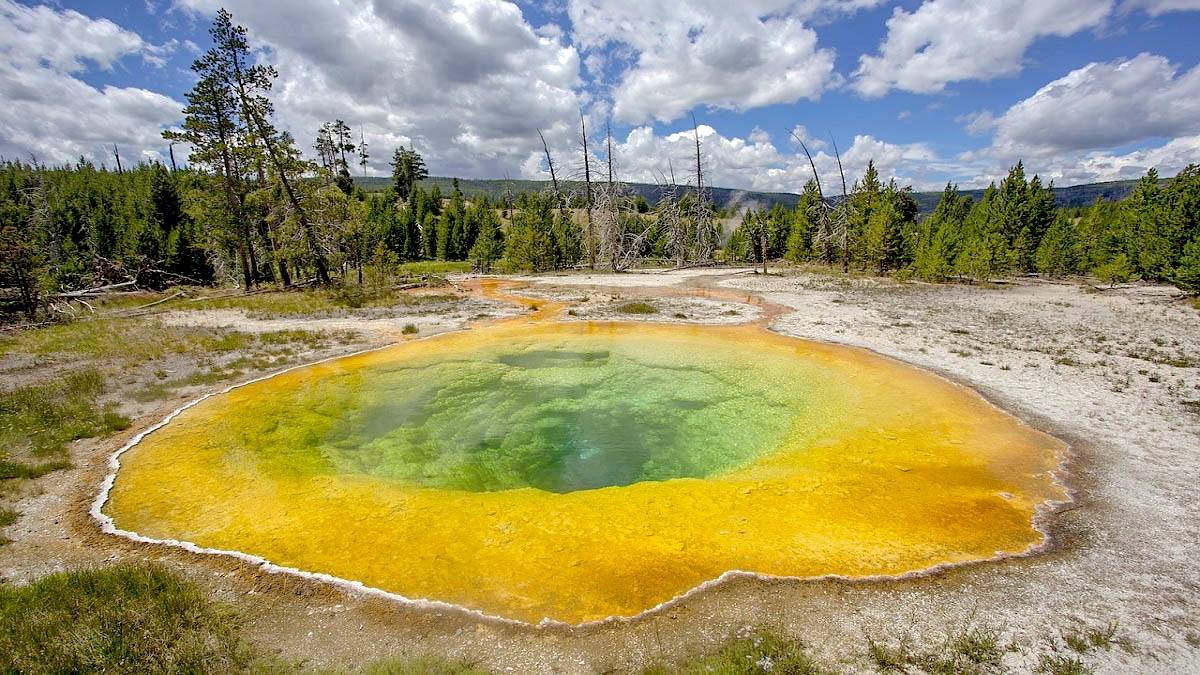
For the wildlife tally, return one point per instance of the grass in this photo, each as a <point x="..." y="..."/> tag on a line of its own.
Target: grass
<point x="1084" y="640"/>
<point x="972" y="651"/>
<point x="128" y="618"/>
<point x="265" y="351"/>
<point x="137" y="618"/>
<point x="637" y="307"/>
<point x="128" y="341"/>
<point x="338" y="300"/>
<point x="10" y="469"/>
<point x="409" y="329"/>
<point x="7" y="517"/>
<point x="1060" y="664"/>
<point x="762" y="651"/>
<point x="43" y="418"/>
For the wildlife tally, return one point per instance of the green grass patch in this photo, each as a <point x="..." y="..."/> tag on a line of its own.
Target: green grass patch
<point x="973" y="651"/>
<point x="41" y="419"/>
<point x="127" y="619"/>
<point x="637" y="307"/>
<point x="1059" y="664"/>
<point x="128" y="341"/>
<point x="12" y="469"/>
<point x="7" y="517"/>
<point x="760" y="652"/>
<point x="265" y="351"/>
<point x="338" y="300"/>
<point x="409" y="329"/>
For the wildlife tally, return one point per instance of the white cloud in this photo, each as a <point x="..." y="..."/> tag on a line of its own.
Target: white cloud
<point x="54" y="115"/>
<point x="468" y="81"/>
<point x="1076" y="168"/>
<point x="1104" y="105"/>
<point x="1169" y="159"/>
<point x="1079" y="128"/>
<point x="729" y="161"/>
<point x="945" y="41"/>
<point x="737" y="56"/>
<point x="801" y="132"/>
<point x="1156" y="7"/>
<point x="977" y="122"/>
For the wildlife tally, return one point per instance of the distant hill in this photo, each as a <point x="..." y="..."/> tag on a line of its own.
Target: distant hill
<point x="1065" y="197"/>
<point x="1075" y="195"/>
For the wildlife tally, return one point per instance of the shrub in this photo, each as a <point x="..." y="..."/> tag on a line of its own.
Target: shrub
<point x="637" y="307"/>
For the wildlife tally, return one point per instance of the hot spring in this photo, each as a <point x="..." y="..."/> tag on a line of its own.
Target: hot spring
<point x="576" y="471"/>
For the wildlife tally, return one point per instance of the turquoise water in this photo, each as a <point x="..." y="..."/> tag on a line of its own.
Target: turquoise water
<point x="575" y="413"/>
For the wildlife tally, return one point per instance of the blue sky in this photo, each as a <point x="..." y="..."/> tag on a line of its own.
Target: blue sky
<point x="933" y="91"/>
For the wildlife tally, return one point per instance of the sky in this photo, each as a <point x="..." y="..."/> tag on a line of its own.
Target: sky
<point x="933" y="91"/>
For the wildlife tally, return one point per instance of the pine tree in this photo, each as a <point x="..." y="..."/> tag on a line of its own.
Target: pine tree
<point x="251" y="84"/>
<point x="800" y="239"/>
<point x="939" y="236"/>
<point x="218" y="138"/>
<point x="983" y="252"/>
<point x="1187" y="272"/>
<point x="489" y="244"/>
<point x="1147" y="210"/>
<point x="408" y="169"/>
<point x="1058" y="253"/>
<point x="864" y="199"/>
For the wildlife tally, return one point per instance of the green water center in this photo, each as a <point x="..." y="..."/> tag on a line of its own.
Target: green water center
<point x="575" y="413"/>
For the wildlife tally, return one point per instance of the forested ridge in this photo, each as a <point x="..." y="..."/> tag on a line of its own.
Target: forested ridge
<point x="250" y="208"/>
<point x="1014" y="227"/>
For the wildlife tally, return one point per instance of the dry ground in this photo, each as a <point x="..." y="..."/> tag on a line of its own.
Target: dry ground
<point x="1114" y="372"/>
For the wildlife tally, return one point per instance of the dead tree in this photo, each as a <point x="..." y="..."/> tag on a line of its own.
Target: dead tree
<point x="671" y="218"/>
<point x="822" y="214"/>
<point x="701" y="209"/>
<point x="842" y="221"/>
<point x="171" y="152"/>
<point x="609" y="207"/>
<point x="553" y="176"/>
<point x="587" y="179"/>
<point x="117" y="154"/>
<point x="613" y="208"/>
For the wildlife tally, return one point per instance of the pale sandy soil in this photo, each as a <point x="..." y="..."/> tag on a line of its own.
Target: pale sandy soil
<point x="1111" y="372"/>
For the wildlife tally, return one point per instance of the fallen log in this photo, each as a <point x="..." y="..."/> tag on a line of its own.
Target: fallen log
<point x="98" y="290"/>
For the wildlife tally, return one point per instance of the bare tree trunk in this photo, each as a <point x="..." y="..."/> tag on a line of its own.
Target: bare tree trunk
<point x="823" y="234"/>
<point x="171" y="152"/>
<point x="553" y="176"/>
<point x="678" y="225"/>
<point x="615" y="236"/>
<point x="844" y="205"/>
<point x="608" y="150"/>
<point x="587" y="178"/>
<point x="117" y="154"/>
